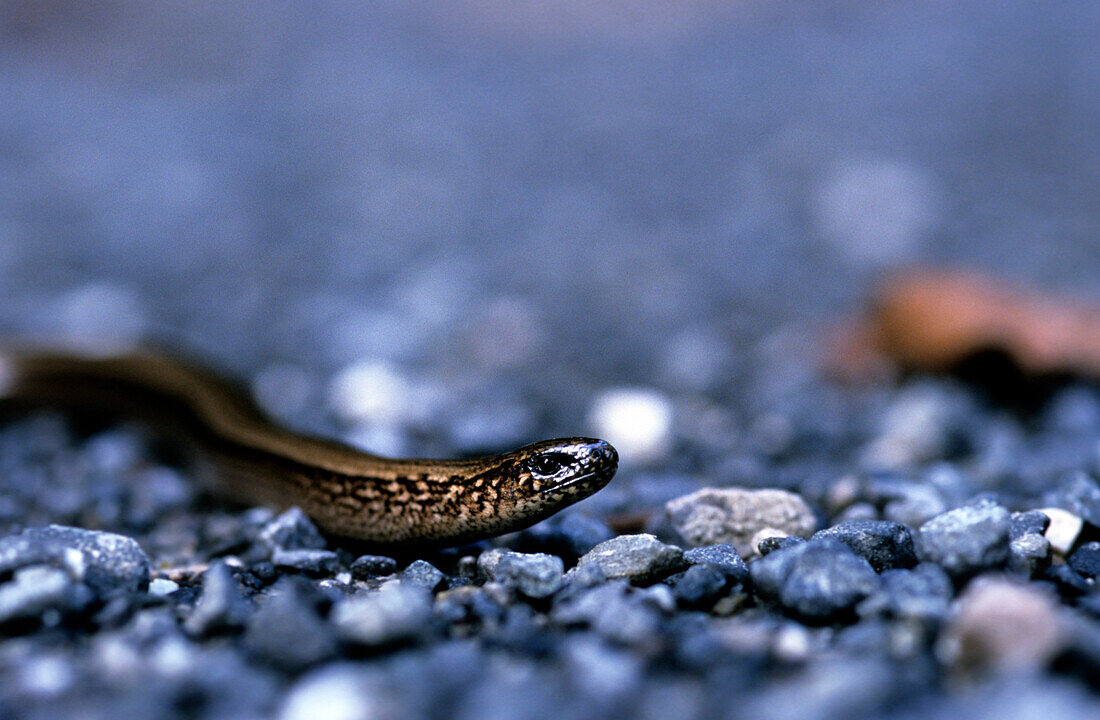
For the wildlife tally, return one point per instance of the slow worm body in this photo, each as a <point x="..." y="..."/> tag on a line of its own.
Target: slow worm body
<point x="348" y="493"/>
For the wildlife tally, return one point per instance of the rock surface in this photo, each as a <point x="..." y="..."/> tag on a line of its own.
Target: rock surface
<point x="735" y="515"/>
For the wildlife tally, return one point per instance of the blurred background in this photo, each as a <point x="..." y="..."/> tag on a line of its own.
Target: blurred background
<point x="481" y="214"/>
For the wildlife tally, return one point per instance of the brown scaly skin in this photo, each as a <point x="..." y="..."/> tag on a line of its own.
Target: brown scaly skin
<point x="380" y="501"/>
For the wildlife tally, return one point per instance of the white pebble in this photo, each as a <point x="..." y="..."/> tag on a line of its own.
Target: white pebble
<point x="1063" y="529"/>
<point x="159" y="587"/>
<point x="637" y="421"/>
<point x="371" y="391"/>
<point x="334" y="694"/>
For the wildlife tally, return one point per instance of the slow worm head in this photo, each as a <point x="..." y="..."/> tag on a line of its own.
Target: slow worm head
<point x="381" y="501"/>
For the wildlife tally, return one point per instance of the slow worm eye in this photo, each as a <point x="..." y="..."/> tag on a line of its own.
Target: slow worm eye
<point x="549" y="463"/>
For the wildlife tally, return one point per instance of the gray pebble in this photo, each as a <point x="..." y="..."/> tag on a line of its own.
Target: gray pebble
<point x="736" y="515"/>
<point x="1022" y="523"/>
<point x="818" y="581"/>
<point x="920" y="593"/>
<point x="422" y="573"/>
<point x="105" y="562"/>
<point x="1086" y="560"/>
<point x="642" y="559"/>
<point x="287" y="630"/>
<point x="366" y="566"/>
<point x="292" y="530"/>
<point x="723" y="558"/>
<point x="534" y="575"/>
<point x="884" y="544"/>
<point x="966" y="540"/>
<point x="310" y="561"/>
<point x="222" y="606"/>
<point x="394" y="613"/>
<point x="1029" y="555"/>
<point x="700" y="586"/>
<point x="778" y="542"/>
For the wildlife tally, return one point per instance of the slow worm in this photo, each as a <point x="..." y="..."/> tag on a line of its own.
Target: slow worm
<point x="244" y="455"/>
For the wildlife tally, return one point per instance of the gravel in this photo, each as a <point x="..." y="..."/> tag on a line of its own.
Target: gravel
<point x="366" y="566"/>
<point x="107" y="563"/>
<point x="1029" y="555"/>
<point x="817" y="581"/>
<point x="886" y="545"/>
<point x="966" y="540"/>
<point x="287" y="629"/>
<point x="1086" y="559"/>
<point x="735" y="516"/>
<point x="221" y="606"/>
<point x="534" y="575"/>
<point x="642" y="559"/>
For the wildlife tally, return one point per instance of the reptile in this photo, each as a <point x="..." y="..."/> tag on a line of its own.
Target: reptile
<point x="244" y="455"/>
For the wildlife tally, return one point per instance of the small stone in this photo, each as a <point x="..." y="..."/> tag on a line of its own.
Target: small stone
<point x="533" y="575"/>
<point x="422" y="573"/>
<point x="642" y="559"/>
<point x="162" y="587"/>
<point x="724" y="558"/>
<point x="1023" y="523"/>
<point x="287" y="629"/>
<point x="366" y="566"/>
<point x="886" y="545"/>
<point x="817" y="581"/>
<point x="700" y="586"/>
<point x="36" y="589"/>
<point x="1002" y="627"/>
<point x="922" y="593"/>
<point x="966" y="540"/>
<point x="221" y="606"/>
<point x="312" y="562"/>
<point x="487" y="561"/>
<point x="292" y="530"/>
<point x="735" y="515"/>
<point x="1086" y="559"/>
<point x="105" y="562"/>
<point x="766" y="542"/>
<point x="1063" y="530"/>
<point x="1029" y="555"/>
<point x="396" y="612"/>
